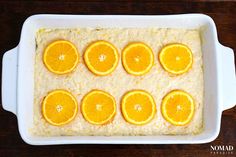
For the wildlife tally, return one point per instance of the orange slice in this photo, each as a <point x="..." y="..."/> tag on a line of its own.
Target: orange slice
<point x="137" y="58"/>
<point x="138" y="107"/>
<point x="176" y="58"/>
<point x="60" y="57"/>
<point x="178" y="107"/>
<point x="59" y="107"/>
<point x="98" y="107"/>
<point x="101" y="58"/>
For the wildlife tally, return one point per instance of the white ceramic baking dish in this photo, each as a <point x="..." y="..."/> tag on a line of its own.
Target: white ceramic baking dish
<point x="219" y="75"/>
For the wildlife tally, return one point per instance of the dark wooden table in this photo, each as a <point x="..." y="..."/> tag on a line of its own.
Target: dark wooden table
<point x="12" y="16"/>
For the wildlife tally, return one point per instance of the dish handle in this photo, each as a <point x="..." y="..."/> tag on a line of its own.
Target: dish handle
<point x="227" y="76"/>
<point x="9" y="76"/>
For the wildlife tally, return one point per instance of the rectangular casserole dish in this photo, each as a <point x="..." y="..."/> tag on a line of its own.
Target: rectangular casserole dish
<point x="218" y="65"/>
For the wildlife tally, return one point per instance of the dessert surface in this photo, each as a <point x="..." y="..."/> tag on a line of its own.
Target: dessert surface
<point x="157" y="82"/>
